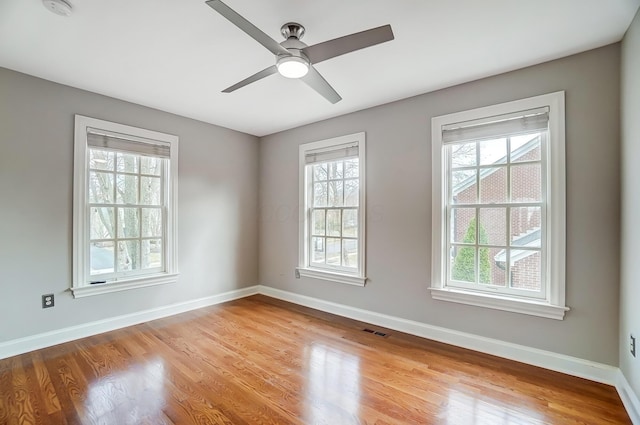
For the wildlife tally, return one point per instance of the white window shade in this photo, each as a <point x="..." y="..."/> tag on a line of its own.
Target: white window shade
<point x="348" y="150"/>
<point x="494" y="127"/>
<point x="102" y="139"/>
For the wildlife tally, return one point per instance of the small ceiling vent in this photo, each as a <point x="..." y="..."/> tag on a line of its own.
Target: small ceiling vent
<point x="59" y="7"/>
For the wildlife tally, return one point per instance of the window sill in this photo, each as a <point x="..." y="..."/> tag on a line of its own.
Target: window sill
<point x="333" y="277"/>
<point x="533" y="308"/>
<point x="123" y="285"/>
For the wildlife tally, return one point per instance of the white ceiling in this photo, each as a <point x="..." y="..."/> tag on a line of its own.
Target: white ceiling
<point x="177" y="56"/>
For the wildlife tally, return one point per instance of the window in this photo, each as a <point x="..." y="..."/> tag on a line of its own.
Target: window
<point x="499" y="207"/>
<point x="125" y="186"/>
<point x="332" y="193"/>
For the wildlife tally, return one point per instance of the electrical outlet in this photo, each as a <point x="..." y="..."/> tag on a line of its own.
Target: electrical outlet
<point x="48" y="301"/>
<point x="632" y="345"/>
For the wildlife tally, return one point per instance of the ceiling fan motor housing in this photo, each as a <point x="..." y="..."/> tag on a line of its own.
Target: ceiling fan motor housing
<point x="292" y="29"/>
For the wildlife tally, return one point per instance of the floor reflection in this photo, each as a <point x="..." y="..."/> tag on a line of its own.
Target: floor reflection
<point x="133" y="396"/>
<point x="333" y="386"/>
<point x="480" y="410"/>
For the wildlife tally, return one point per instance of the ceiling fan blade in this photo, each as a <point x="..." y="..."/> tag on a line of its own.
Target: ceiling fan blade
<point x="317" y="82"/>
<point x="246" y="26"/>
<point x="349" y="43"/>
<point x="255" y="77"/>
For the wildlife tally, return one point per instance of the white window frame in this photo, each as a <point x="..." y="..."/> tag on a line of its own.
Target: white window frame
<point x="81" y="285"/>
<point x="554" y="247"/>
<point x="305" y="268"/>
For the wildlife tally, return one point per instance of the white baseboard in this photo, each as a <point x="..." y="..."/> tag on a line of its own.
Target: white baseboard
<point x="59" y="336"/>
<point x="629" y="398"/>
<point x="558" y="362"/>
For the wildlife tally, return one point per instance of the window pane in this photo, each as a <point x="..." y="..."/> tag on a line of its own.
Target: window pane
<point x="150" y="165"/>
<point x="333" y="251"/>
<point x="150" y="190"/>
<point x="525" y="148"/>
<point x="101" y="160"/>
<point x="493" y="185"/>
<point x="320" y="195"/>
<point x="127" y="190"/>
<point x="100" y="188"/>
<point x="335" y="170"/>
<point x="151" y="222"/>
<point x="497" y="260"/>
<point x="463" y="187"/>
<point x="151" y="253"/>
<point x="128" y="223"/>
<point x="335" y="193"/>
<point x="463" y="155"/>
<point x="351" y="168"/>
<point x="317" y="250"/>
<point x="351" y="193"/>
<point x="526" y="184"/>
<point x="128" y="255"/>
<point x="493" y="226"/>
<point x="525" y="226"/>
<point x="493" y="151"/>
<point x="101" y="258"/>
<point x="525" y="270"/>
<point x="320" y="172"/>
<point x="463" y="225"/>
<point x="485" y="265"/>
<point x="350" y="253"/>
<point x="463" y="264"/>
<point x="127" y="163"/>
<point x="102" y="221"/>
<point x="317" y="222"/>
<point x="333" y="223"/>
<point x="350" y="223"/>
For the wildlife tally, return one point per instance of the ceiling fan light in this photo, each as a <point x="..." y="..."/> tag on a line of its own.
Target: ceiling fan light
<point x="292" y="66"/>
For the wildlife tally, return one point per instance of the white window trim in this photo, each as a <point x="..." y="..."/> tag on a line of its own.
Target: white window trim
<point x="304" y="269"/>
<point x="553" y="306"/>
<point x="80" y="287"/>
<point x="332" y="277"/>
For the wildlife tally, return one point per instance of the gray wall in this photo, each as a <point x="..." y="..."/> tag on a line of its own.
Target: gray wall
<point x="399" y="207"/>
<point x="217" y="215"/>
<point x="630" y="270"/>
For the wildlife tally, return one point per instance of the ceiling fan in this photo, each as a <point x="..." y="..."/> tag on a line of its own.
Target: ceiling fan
<point x="294" y="59"/>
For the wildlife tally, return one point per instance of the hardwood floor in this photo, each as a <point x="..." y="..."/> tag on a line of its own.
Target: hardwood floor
<point x="263" y="361"/>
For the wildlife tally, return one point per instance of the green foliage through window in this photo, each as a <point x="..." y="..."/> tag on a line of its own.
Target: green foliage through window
<point x="464" y="262"/>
